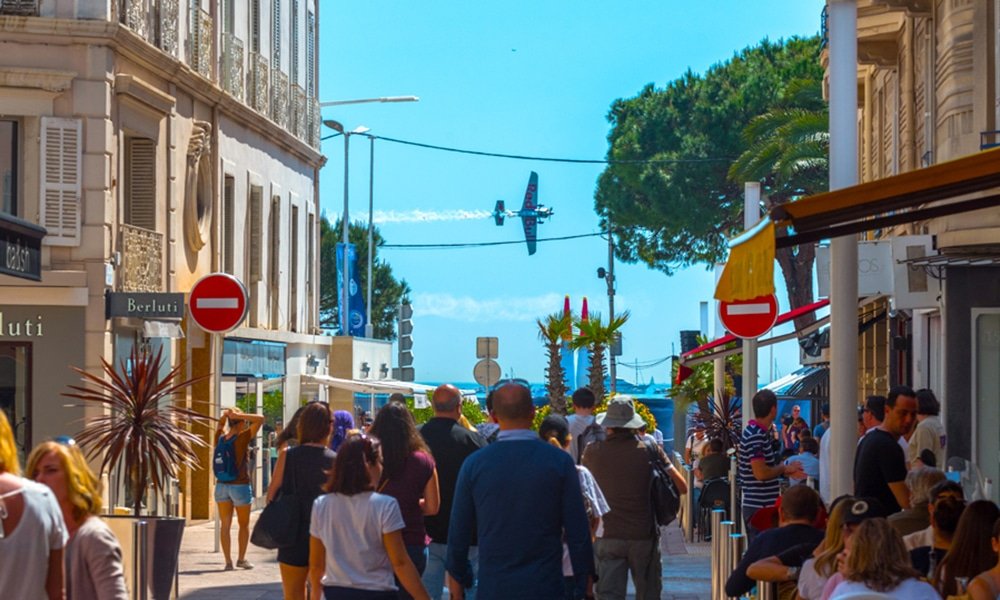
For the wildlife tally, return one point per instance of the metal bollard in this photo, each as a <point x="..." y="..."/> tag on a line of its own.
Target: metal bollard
<point x="734" y="506"/>
<point x="717" y="516"/>
<point x="689" y="506"/>
<point x="736" y="546"/>
<point x="725" y="567"/>
<point x="140" y="568"/>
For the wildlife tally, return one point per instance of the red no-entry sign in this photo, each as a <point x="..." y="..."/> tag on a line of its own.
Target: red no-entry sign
<point x="749" y="318"/>
<point x="218" y="303"/>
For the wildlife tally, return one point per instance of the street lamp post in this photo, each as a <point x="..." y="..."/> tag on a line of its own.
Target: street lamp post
<point x="345" y="276"/>
<point x="369" y="328"/>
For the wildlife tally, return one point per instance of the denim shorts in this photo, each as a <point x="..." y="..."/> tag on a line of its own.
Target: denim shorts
<point x="237" y="493"/>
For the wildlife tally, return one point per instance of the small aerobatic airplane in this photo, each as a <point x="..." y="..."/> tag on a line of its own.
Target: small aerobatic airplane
<point x="532" y="214"/>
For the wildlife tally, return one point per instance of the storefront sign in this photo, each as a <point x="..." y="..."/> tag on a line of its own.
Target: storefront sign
<point x="145" y="305"/>
<point x="20" y="248"/>
<point x="21" y="328"/>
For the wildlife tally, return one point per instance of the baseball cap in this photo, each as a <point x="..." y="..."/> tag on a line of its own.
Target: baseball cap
<point x="861" y="509"/>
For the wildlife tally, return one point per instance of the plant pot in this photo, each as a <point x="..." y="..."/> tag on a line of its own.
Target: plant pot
<point x="163" y="546"/>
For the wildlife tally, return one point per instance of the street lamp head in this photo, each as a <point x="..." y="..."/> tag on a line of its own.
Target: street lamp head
<point x="360" y="129"/>
<point x="401" y="99"/>
<point x="334" y="125"/>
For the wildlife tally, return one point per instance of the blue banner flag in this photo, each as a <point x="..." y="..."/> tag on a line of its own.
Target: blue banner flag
<point x="352" y="320"/>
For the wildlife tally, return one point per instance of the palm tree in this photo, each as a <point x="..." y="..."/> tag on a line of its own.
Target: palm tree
<point x="596" y="336"/>
<point x="788" y="152"/>
<point x="552" y="330"/>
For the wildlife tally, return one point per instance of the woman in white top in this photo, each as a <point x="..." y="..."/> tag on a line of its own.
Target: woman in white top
<point x="93" y="555"/>
<point x="32" y="533"/>
<point x="356" y="534"/>
<point x="875" y="560"/>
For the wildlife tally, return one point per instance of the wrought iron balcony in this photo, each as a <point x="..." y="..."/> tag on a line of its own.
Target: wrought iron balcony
<point x="142" y="259"/>
<point x="168" y="13"/>
<point x="135" y="15"/>
<point x="315" y="123"/>
<point x="297" y="124"/>
<point x="232" y="65"/>
<point x="201" y="38"/>
<point x="257" y="82"/>
<point x="279" y="97"/>
<point x="24" y="8"/>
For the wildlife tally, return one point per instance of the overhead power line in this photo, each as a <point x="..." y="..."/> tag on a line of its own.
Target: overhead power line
<point x="484" y="244"/>
<point x="578" y="161"/>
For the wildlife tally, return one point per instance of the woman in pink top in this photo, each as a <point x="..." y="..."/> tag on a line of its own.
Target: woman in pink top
<point x="409" y="476"/>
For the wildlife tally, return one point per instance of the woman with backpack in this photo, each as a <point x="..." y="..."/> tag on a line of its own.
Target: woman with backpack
<point x="409" y="476"/>
<point x="302" y="471"/>
<point x="233" y="493"/>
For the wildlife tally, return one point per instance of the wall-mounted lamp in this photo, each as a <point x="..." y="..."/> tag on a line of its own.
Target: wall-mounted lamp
<point x="383" y="371"/>
<point x="365" y="370"/>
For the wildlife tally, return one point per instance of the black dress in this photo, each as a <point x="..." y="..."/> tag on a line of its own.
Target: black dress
<point x="306" y="469"/>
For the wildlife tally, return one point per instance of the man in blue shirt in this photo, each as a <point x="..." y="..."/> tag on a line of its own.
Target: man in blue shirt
<point x="807" y="458"/>
<point x="522" y="495"/>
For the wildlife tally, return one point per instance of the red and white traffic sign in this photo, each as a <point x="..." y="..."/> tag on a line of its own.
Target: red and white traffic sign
<point x="218" y="303"/>
<point x="749" y="318"/>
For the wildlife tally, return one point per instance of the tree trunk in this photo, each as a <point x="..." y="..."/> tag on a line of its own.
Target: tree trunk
<point x="597" y="371"/>
<point x="556" y="384"/>
<point x="796" y="267"/>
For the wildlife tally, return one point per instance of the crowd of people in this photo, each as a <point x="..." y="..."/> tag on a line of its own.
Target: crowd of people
<point x="907" y="532"/>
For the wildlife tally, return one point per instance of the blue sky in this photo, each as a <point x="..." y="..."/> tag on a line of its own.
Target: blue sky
<point x="518" y="77"/>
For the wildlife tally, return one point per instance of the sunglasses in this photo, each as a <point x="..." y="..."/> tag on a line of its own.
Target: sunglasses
<point x="64" y="440"/>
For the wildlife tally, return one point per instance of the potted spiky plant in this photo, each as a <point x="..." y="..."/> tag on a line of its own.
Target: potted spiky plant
<point x="143" y="437"/>
<point x="552" y="330"/>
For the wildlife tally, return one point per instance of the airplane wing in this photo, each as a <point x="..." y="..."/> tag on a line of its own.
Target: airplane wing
<point x="528" y="218"/>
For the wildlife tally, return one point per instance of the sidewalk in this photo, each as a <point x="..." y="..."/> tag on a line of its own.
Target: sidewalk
<point x="685" y="569"/>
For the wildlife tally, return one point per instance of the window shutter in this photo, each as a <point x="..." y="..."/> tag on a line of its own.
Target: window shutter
<point x="60" y="181"/>
<point x="255" y="26"/>
<point x="256" y="209"/>
<point x="141" y="170"/>
<point x="310" y="54"/>
<point x="293" y="67"/>
<point x="276" y="34"/>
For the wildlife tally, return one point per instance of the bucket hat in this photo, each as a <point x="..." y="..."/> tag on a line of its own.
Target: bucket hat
<point x="621" y="413"/>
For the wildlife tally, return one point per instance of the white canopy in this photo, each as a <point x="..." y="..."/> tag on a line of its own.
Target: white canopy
<point x="369" y="386"/>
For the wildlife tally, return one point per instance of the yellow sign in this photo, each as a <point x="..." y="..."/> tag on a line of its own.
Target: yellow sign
<point x="749" y="272"/>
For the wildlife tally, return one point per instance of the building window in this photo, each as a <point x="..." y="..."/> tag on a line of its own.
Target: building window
<point x="140" y="183"/>
<point x="255" y="26"/>
<point x="228" y="224"/>
<point x="276" y="35"/>
<point x="293" y="67"/>
<point x="274" y="272"/>
<point x="8" y="166"/>
<point x="293" y="279"/>
<point x="310" y="54"/>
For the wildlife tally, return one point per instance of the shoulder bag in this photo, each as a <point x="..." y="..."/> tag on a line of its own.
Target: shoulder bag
<point x="664" y="497"/>
<point x="279" y="522"/>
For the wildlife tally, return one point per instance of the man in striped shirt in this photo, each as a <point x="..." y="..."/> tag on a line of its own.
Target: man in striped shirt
<point x="759" y="461"/>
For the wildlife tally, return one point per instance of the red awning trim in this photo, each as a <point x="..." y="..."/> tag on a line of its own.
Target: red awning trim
<point x="782" y="319"/>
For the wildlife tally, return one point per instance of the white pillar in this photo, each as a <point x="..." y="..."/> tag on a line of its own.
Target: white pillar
<point x="751" y="216"/>
<point x="843" y="36"/>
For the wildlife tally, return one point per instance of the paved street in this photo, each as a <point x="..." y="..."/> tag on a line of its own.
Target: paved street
<point x="685" y="570"/>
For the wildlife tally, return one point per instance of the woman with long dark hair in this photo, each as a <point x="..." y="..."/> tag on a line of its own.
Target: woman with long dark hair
<point x="302" y="470"/>
<point x="986" y="585"/>
<point x="409" y="476"/>
<point x="970" y="553"/>
<point x="356" y="534"/>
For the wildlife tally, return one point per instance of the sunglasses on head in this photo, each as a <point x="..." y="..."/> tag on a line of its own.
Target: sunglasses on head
<point x="64" y="440"/>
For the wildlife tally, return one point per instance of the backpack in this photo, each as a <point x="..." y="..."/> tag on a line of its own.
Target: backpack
<point x="224" y="460"/>
<point x="593" y="433"/>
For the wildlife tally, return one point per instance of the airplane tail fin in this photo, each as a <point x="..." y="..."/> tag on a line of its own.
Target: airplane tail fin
<point x="499" y="212"/>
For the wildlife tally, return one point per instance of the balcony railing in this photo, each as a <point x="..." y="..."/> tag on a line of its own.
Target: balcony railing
<point x="315" y="123"/>
<point x="297" y="124"/>
<point x="279" y="98"/>
<point x="232" y="65"/>
<point x="136" y="16"/>
<point x="25" y="8"/>
<point x="257" y="82"/>
<point x="201" y="40"/>
<point x="169" y="15"/>
<point x="142" y="259"/>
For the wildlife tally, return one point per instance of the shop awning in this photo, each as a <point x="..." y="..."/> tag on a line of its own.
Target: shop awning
<point x="957" y="186"/>
<point x="697" y="355"/>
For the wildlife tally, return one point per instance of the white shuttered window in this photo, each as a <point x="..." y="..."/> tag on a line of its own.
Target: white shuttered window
<point x="61" y="154"/>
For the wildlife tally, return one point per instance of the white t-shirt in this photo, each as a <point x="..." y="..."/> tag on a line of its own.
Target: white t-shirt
<point x="24" y="552"/>
<point x="592" y="493"/>
<point x="811" y="583"/>
<point x="351" y="529"/>
<point x="909" y="589"/>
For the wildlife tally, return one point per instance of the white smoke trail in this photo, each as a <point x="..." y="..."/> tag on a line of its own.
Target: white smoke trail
<point x="417" y="215"/>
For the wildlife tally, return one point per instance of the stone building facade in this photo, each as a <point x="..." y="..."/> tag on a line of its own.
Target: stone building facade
<point x="158" y="141"/>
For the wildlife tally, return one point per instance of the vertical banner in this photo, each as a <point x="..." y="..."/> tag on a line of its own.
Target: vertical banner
<point x="352" y="321"/>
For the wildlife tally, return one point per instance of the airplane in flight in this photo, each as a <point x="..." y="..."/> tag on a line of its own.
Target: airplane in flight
<point x="532" y="214"/>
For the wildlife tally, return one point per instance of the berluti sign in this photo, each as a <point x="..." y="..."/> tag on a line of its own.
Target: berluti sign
<point x="20" y="248"/>
<point x="145" y="305"/>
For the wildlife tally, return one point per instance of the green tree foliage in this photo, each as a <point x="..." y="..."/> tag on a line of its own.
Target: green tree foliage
<point x="387" y="291"/>
<point x="596" y="336"/>
<point x="671" y="215"/>
<point x="552" y="330"/>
